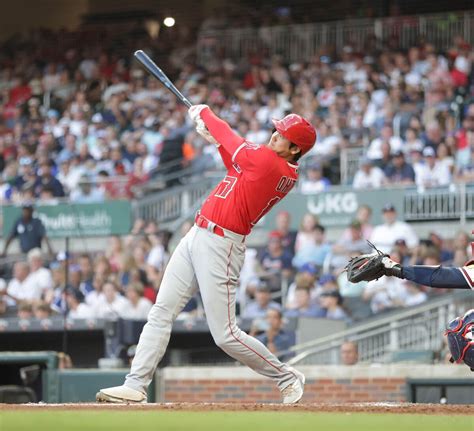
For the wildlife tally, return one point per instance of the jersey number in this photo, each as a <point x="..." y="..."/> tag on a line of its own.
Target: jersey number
<point x="225" y="187"/>
<point x="285" y="184"/>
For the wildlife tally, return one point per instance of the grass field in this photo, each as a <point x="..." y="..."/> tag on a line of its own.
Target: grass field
<point x="48" y="420"/>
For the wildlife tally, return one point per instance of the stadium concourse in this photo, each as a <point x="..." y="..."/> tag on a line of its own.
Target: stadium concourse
<point x="82" y="123"/>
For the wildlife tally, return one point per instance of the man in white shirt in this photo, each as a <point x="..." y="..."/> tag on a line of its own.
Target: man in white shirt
<point x="110" y="305"/>
<point x="385" y="235"/>
<point x="20" y="287"/>
<point x="386" y="135"/>
<point x="77" y="308"/>
<point x="314" y="182"/>
<point x="138" y="307"/>
<point x="39" y="276"/>
<point x="368" y="176"/>
<point x="432" y="173"/>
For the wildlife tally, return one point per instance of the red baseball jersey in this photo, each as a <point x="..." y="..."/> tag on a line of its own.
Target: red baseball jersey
<point x="257" y="178"/>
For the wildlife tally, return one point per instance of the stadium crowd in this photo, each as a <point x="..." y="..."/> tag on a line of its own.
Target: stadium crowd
<point x="74" y="117"/>
<point x="84" y="122"/>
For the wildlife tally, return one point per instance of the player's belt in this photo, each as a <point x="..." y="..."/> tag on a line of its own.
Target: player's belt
<point x="203" y="222"/>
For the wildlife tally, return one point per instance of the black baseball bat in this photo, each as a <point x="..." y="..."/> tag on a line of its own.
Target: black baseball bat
<point x="151" y="66"/>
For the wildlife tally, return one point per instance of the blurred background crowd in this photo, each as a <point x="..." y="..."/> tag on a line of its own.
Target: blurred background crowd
<point x="80" y="120"/>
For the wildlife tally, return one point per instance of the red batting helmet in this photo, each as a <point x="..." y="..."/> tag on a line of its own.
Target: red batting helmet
<point x="298" y="131"/>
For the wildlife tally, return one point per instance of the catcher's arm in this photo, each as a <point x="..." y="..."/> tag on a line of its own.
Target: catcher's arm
<point x="438" y="276"/>
<point x="370" y="267"/>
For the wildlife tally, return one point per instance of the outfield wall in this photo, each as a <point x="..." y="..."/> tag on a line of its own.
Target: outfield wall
<point x="359" y="383"/>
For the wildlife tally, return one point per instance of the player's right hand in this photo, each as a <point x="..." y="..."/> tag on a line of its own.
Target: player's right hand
<point x="195" y="111"/>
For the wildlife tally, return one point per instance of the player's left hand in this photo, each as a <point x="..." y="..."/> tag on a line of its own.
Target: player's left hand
<point x="204" y="132"/>
<point x="195" y="111"/>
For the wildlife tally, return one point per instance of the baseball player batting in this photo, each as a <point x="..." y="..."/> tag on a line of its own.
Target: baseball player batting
<point x="212" y="253"/>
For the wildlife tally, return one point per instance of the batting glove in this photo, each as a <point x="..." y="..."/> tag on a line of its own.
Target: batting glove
<point x="195" y="111"/>
<point x="204" y="132"/>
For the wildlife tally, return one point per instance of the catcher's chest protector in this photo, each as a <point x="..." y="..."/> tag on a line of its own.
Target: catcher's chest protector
<point x="460" y="333"/>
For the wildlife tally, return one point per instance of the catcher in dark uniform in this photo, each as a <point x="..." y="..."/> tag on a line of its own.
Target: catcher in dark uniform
<point x="460" y="331"/>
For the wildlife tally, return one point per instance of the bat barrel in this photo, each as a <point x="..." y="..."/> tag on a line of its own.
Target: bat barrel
<point x="151" y="67"/>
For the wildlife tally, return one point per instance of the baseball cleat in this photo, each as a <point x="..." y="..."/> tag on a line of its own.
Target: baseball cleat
<point x="294" y="391"/>
<point x="119" y="395"/>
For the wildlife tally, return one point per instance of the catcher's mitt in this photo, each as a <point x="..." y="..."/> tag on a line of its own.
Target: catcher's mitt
<point x="368" y="267"/>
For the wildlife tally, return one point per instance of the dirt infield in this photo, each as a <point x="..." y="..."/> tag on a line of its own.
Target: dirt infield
<point x="406" y="408"/>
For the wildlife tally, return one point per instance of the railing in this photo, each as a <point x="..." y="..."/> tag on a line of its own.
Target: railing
<point x="449" y="203"/>
<point x="172" y="204"/>
<point x="350" y="161"/>
<point x="303" y="41"/>
<point x="415" y="328"/>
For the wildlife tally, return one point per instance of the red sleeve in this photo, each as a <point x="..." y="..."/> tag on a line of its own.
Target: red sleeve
<point x="221" y="132"/>
<point x="250" y="157"/>
<point x="225" y="156"/>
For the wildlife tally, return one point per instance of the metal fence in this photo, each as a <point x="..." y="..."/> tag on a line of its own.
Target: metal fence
<point x="417" y="328"/>
<point x="303" y="41"/>
<point x="455" y="202"/>
<point x="173" y="204"/>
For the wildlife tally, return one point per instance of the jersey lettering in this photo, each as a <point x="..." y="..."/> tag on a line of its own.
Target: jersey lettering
<point x="267" y="208"/>
<point x="237" y="168"/>
<point x="225" y="187"/>
<point x="285" y="184"/>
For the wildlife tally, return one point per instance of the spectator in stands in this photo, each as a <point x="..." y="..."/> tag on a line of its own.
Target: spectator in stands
<point x="315" y="252"/>
<point x="138" y="306"/>
<point x="385" y="294"/>
<point x="433" y="173"/>
<point x="158" y="256"/>
<point x="368" y="176"/>
<point x="275" y="261"/>
<point x="93" y="298"/>
<point x="110" y="305"/>
<point x="314" y="182"/>
<point x="288" y="236"/>
<point x="349" y="353"/>
<point x="21" y="288"/>
<point x="433" y="135"/>
<point x="399" y="171"/>
<point x="39" y="276"/>
<point x="375" y="152"/>
<point x="446" y="254"/>
<point x="273" y="335"/>
<point x="87" y="193"/>
<point x="259" y="306"/>
<point x="363" y="215"/>
<point x="114" y="252"/>
<point x="386" y="157"/>
<point x="77" y="308"/>
<point x="412" y="142"/>
<point x="46" y="179"/>
<point x="344" y="249"/>
<point x="405" y="253"/>
<point x="29" y="230"/>
<point x="42" y="310"/>
<point x="87" y="273"/>
<point x="305" y="233"/>
<point x="331" y="302"/>
<point x="305" y="279"/>
<point x="385" y="235"/>
<point x="413" y="294"/>
<point x="303" y="305"/>
<point x="25" y="311"/>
